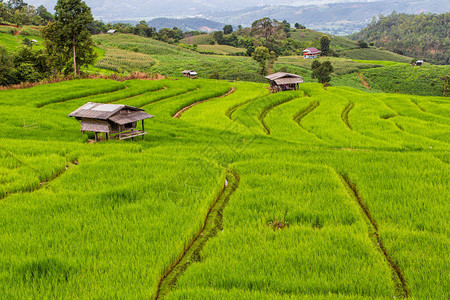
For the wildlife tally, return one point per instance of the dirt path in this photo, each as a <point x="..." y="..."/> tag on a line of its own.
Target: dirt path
<point x="212" y="223"/>
<point x="345" y="113"/>
<point x="364" y="81"/>
<point x="401" y="286"/>
<point x="178" y="114"/>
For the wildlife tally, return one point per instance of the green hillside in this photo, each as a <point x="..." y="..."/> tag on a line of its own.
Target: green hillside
<point x="309" y="35"/>
<point x="375" y="54"/>
<point x="424" y="36"/>
<point x="317" y="193"/>
<point x="171" y="60"/>
<point x="12" y="41"/>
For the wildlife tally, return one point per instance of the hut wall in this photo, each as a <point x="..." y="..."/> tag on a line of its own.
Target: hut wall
<point x="94" y="125"/>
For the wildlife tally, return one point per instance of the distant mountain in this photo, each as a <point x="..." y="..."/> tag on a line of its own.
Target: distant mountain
<point x="339" y="18"/>
<point x="188" y="24"/>
<point x="424" y="36"/>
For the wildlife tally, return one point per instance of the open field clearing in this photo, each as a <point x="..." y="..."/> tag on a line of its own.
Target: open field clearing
<point x="317" y="193"/>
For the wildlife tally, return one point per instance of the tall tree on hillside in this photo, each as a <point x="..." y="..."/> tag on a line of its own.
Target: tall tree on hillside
<point x="325" y="45"/>
<point x="70" y="36"/>
<point x="261" y="55"/>
<point x="321" y="71"/>
<point x="228" y="29"/>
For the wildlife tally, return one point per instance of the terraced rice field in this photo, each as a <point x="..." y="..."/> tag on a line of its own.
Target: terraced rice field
<point x="234" y="194"/>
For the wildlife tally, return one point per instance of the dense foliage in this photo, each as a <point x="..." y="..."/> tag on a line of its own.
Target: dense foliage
<point x="424" y="36"/>
<point x="20" y="13"/>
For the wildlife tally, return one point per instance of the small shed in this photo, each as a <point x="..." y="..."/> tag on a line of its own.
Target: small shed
<point x="189" y="73"/>
<point x="284" y="81"/>
<point x="115" y="120"/>
<point x="34" y="41"/>
<point x="186" y="73"/>
<point x="111" y="31"/>
<point x="311" y="53"/>
<point x="419" y="62"/>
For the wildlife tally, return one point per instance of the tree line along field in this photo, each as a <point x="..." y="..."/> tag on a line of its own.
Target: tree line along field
<point x="316" y="193"/>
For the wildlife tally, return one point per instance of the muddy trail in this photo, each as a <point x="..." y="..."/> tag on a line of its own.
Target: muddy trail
<point x="178" y="114"/>
<point x="211" y="225"/>
<point x="364" y="81"/>
<point x="399" y="280"/>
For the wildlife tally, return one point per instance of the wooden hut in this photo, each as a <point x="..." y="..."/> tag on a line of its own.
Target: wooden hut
<point x="111" y="31"/>
<point x="284" y="81"/>
<point x="115" y="120"/>
<point x="311" y="52"/>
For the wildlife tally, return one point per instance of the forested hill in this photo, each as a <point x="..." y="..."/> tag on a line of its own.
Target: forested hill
<point x="424" y="36"/>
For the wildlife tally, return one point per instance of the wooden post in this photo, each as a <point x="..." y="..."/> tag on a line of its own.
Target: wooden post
<point x="143" y="129"/>
<point x="96" y="138"/>
<point x="120" y="132"/>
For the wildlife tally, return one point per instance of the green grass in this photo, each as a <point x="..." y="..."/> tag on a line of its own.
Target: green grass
<point x="171" y="60"/>
<point x="108" y="220"/>
<point x="375" y="54"/>
<point x="341" y="66"/>
<point x="379" y="62"/>
<point x="220" y="49"/>
<point x="406" y="79"/>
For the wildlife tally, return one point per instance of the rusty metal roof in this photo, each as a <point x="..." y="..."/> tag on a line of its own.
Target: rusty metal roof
<point x="279" y="75"/>
<point x="100" y="111"/>
<point x="288" y="81"/>
<point x="130" y="118"/>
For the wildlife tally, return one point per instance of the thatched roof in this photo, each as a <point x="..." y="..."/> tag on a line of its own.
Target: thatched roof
<point x="101" y="111"/>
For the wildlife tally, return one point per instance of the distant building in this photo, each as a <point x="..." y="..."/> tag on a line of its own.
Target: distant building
<point x="284" y="81"/>
<point x="115" y="120"/>
<point x="419" y="62"/>
<point x="111" y="31"/>
<point x="311" y="53"/>
<point x="34" y="42"/>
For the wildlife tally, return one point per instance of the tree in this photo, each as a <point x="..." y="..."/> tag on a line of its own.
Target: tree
<point x="16" y="4"/>
<point x="228" y="29"/>
<point x="325" y="45"/>
<point x="321" y="71"/>
<point x="6" y="67"/>
<point x="218" y="37"/>
<point x="263" y="27"/>
<point x="299" y="26"/>
<point x="69" y="36"/>
<point x="44" y="14"/>
<point x="261" y="55"/>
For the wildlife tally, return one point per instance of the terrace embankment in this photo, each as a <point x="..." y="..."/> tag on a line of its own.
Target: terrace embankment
<point x="345" y="113"/>
<point x="212" y="223"/>
<point x="178" y="114"/>
<point x="401" y="286"/>
<point x="266" y="111"/>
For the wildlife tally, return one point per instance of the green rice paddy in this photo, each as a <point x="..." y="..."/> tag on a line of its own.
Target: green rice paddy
<point x="317" y="193"/>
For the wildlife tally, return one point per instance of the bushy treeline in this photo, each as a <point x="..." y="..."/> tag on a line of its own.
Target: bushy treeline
<point x="20" y="13"/>
<point x="168" y="35"/>
<point x="24" y="65"/>
<point x="424" y="36"/>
